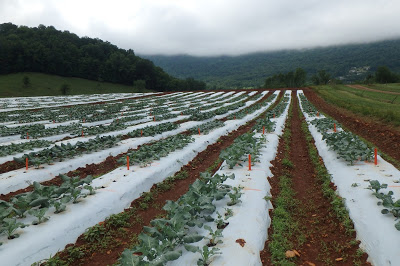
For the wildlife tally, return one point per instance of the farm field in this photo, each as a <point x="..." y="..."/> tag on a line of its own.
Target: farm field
<point x="209" y="178"/>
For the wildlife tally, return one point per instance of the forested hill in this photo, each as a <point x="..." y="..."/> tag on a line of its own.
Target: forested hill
<point x="47" y="50"/>
<point x="346" y="62"/>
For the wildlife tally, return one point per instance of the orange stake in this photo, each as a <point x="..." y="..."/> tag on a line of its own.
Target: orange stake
<point x="154" y="118"/>
<point x="249" y="162"/>
<point x="26" y="163"/>
<point x="317" y="114"/>
<point x="199" y="131"/>
<point x="141" y="132"/>
<point x="27" y="135"/>
<point x="127" y="162"/>
<point x="376" y="156"/>
<point x="334" y="127"/>
<point x="274" y="115"/>
<point x="234" y="117"/>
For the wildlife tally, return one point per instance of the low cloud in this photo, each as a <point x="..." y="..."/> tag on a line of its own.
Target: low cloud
<point x="228" y="27"/>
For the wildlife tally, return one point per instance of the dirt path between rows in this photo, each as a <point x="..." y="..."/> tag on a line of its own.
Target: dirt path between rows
<point x="322" y="239"/>
<point x="369" y="89"/>
<point x="387" y="139"/>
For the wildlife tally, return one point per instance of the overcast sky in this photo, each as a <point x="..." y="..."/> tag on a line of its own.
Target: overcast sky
<point x="213" y="27"/>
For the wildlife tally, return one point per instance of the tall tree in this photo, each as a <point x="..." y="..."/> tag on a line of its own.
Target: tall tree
<point x="384" y="75"/>
<point x="300" y="77"/>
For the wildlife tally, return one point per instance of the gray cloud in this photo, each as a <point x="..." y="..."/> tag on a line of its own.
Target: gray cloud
<point x="213" y="27"/>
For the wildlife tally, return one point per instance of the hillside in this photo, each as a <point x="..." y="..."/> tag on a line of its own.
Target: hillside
<point x="12" y="85"/>
<point x="47" y="50"/>
<point x="346" y="62"/>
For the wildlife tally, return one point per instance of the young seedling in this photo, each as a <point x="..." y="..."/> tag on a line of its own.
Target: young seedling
<point x="39" y="214"/>
<point x="214" y="235"/>
<point x="235" y="196"/>
<point x="61" y="205"/>
<point x="206" y="253"/>
<point x="10" y="225"/>
<point x="228" y="213"/>
<point x="221" y="224"/>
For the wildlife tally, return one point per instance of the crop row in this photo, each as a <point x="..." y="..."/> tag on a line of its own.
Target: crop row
<point x="11" y="149"/>
<point x="38" y="202"/>
<point x="242" y="146"/>
<point x="62" y="151"/>
<point x="265" y="123"/>
<point x="307" y="106"/>
<point x="159" y="242"/>
<point x="155" y="150"/>
<point x="206" y="127"/>
<point x="347" y="145"/>
<point x="391" y="206"/>
<point x="251" y="109"/>
<point x="279" y="108"/>
<point x="325" y="124"/>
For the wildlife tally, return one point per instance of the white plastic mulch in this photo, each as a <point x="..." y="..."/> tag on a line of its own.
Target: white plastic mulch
<point x="378" y="236"/>
<point x="121" y="188"/>
<point x="250" y="220"/>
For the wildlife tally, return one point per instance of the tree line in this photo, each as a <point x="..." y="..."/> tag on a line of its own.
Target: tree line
<point x="47" y="50"/>
<point x="382" y="75"/>
<point x="298" y="78"/>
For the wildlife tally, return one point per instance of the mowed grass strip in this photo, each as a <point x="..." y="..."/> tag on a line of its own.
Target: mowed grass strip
<point x="371" y="104"/>
<point x="393" y="87"/>
<point x="12" y="85"/>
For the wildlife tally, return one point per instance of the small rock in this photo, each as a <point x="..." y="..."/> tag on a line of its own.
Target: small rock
<point x="290" y="254"/>
<point x="339" y="259"/>
<point x="310" y="263"/>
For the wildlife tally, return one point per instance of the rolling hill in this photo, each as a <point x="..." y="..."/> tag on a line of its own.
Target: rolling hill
<point x="347" y="62"/>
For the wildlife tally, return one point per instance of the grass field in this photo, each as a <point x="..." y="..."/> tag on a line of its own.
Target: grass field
<point x="372" y="95"/>
<point x="379" y="106"/>
<point x="12" y="85"/>
<point x="394" y="87"/>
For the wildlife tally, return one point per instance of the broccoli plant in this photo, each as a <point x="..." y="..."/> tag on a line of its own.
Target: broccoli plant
<point x="206" y="253"/>
<point x="39" y="214"/>
<point x="214" y="235"/>
<point x="387" y="200"/>
<point x="235" y="196"/>
<point x="10" y="225"/>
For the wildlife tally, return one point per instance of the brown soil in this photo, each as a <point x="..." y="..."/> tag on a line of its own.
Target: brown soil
<point x="109" y="255"/>
<point x="369" y="89"/>
<point x="315" y="217"/>
<point x="387" y="139"/>
<point x="109" y="164"/>
<point x="10" y="166"/>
